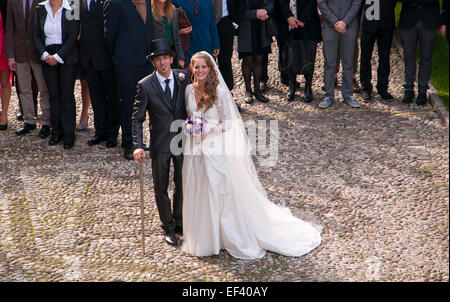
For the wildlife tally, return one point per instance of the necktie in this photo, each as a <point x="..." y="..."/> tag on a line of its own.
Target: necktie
<point x="27" y="12"/>
<point x="167" y="92"/>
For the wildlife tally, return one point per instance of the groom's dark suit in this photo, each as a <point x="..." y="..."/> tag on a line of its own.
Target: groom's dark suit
<point x="162" y="112"/>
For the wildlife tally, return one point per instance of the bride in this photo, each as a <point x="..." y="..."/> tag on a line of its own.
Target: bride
<point x="224" y="204"/>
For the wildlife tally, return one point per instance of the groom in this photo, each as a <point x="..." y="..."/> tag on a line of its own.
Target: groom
<point x="161" y="94"/>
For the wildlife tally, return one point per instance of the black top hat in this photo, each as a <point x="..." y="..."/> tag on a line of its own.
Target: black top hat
<point x="159" y="47"/>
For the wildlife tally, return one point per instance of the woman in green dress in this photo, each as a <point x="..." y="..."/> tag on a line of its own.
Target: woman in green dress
<point x="165" y="24"/>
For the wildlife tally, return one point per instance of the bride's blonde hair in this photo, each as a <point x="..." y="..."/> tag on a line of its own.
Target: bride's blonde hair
<point x="212" y="81"/>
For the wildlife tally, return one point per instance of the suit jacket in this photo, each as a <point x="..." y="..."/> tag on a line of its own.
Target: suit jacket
<point x="3" y="6"/>
<point x="70" y="29"/>
<point x="20" y="39"/>
<point x="150" y="98"/>
<point x="160" y="33"/>
<point x="306" y="13"/>
<point x="387" y="16"/>
<point x="92" y="45"/>
<point x="231" y="6"/>
<point x="127" y="36"/>
<point x="412" y="10"/>
<point x="339" y="10"/>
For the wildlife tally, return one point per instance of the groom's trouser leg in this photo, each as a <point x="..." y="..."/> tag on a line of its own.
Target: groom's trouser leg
<point x="160" y="171"/>
<point x="178" y="190"/>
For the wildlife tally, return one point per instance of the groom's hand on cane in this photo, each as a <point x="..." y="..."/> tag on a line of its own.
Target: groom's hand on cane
<point x="139" y="155"/>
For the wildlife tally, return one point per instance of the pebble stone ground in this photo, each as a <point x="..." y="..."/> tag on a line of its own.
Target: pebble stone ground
<point x="374" y="181"/>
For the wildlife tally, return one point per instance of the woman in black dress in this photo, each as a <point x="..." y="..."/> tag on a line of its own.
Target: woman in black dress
<point x="253" y="42"/>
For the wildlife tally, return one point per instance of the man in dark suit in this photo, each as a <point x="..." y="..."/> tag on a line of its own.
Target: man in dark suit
<point x="162" y="95"/>
<point x="96" y="59"/>
<point x="128" y="33"/>
<point x="419" y="21"/>
<point x="226" y="15"/>
<point x="380" y="29"/>
<point x="23" y="58"/>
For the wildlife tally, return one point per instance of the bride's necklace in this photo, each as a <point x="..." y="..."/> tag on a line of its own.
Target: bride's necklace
<point x="195" y="7"/>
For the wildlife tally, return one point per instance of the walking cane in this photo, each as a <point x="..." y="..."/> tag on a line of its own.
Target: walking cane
<point x="141" y="173"/>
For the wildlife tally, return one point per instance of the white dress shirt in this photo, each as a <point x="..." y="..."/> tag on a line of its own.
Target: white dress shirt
<point x="162" y="82"/>
<point x="53" y="28"/>
<point x="224" y="8"/>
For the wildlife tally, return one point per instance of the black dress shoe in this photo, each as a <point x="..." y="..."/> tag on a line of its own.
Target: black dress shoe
<point x="248" y="98"/>
<point x="44" y="132"/>
<point x="96" y="140"/>
<point x="308" y="94"/>
<point x="4" y="127"/>
<point x="111" y="142"/>
<point x="26" y="129"/>
<point x="171" y="238"/>
<point x="179" y="230"/>
<point x="385" y="95"/>
<point x="68" y="146"/>
<point x="366" y="95"/>
<point x="54" y="140"/>
<point x="128" y="153"/>
<point x="422" y="98"/>
<point x="263" y="86"/>
<point x="261" y="98"/>
<point x="409" y="97"/>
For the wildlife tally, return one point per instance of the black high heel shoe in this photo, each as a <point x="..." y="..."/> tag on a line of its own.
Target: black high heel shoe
<point x="261" y="98"/>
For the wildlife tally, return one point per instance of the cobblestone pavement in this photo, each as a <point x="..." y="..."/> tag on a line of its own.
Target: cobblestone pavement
<point x="374" y="180"/>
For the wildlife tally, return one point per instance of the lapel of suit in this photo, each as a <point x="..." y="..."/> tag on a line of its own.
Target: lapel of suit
<point x="158" y="89"/>
<point x="179" y="93"/>
<point x="32" y="12"/>
<point x="63" y="24"/>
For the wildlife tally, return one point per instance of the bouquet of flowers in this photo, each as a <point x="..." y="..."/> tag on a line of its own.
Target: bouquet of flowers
<point x="194" y="126"/>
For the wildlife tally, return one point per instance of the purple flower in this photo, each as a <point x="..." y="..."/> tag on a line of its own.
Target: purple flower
<point x="194" y="125"/>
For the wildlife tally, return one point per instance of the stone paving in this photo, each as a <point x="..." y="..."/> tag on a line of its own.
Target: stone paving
<point x="373" y="180"/>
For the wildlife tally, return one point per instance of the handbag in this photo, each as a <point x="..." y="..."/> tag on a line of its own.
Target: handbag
<point x="183" y="22"/>
<point x="298" y="56"/>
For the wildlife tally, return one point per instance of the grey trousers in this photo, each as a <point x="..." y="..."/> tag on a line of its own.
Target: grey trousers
<point x="23" y="71"/>
<point x="425" y="38"/>
<point x="334" y="43"/>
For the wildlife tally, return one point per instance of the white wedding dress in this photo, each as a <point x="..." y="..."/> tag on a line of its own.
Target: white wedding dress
<point x="224" y="204"/>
